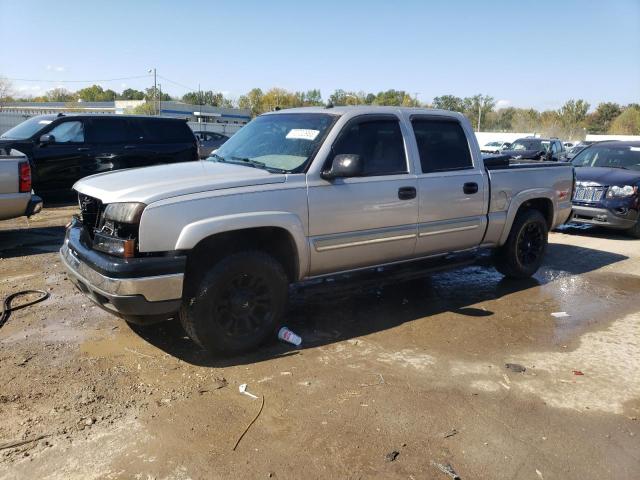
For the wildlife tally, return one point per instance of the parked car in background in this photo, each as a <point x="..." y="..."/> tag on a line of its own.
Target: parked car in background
<point x="208" y="142"/>
<point x="62" y="149"/>
<point x="578" y="148"/>
<point x="607" y="186"/>
<point x="531" y="148"/>
<point x="497" y="146"/>
<point x="16" y="196"/>
<point x="568" y="145"/>
<point x="300" y="194"/>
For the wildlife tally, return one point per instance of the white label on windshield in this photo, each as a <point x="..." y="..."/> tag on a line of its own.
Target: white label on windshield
<point x="303" y="134"/>
<point x="44" y="122"/>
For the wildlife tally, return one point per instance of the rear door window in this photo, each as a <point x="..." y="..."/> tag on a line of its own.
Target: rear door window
<point x="442" y="145"/>
<point x="108" y="130"/>
<point x="162" y="131"/>
<point x="378" y="142"/>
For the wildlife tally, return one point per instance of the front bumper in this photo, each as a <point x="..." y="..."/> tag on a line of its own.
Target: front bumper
<point x="140" y="289"/>
<point x="621" y="219"/>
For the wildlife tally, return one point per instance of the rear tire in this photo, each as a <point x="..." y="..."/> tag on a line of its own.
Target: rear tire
<point x="523" y="252"/>
<point x="238" y="303"/>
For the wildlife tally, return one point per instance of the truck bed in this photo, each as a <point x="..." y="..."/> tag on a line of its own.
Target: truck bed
<point x="500" y="162"/>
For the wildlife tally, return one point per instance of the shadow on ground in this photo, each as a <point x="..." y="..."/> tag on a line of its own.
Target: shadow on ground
<point x="30" y="241"/>
<point x="353" y="306"/>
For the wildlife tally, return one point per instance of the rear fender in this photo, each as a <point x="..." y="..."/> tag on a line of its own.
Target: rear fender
<point x="521" y="198"/>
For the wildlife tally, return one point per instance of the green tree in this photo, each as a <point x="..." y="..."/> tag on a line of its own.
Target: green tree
<point x="572" y="116"/>
<point x="627" y="123"/>
<point x="477" y="107"/>
<point x="525" y="120"/>
<point x="313" y="98"/>
<point x="552" y="124"/>
<point x="131" y="94"/>
<point x="146" y="108"/>
<point x="390" y="97"/>
<point x="60" y="95"/>
<point x="280" y="98"/>
<point x="449" y="102"/>
<point x="253" y="101"/>
<point x="600" y="120"/>
<point x="153" y="93"/>
<point x="339" y="97"/>
<point x="208" y="97"/>
<point x="503" y="120"/>
<point x="95" y="93"/>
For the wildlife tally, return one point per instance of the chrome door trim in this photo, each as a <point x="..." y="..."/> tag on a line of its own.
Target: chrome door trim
<point x="448" y="226"/>
<point x="367" y="237"/>
<point x="448" y="230"/>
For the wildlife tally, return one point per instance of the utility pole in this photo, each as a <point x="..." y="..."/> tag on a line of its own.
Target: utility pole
<point x="155" y="91"/>
<point x="160" y="99"/>
<point x="480" y="102"/>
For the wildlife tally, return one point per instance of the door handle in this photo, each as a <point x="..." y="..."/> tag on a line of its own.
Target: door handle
<point x="129" y="147"/>
<point x="406" y="193"/>
<point x="83" y="149"/>
<point x="470" y="188"/>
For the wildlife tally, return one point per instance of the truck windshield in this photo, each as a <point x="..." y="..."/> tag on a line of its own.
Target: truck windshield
<point x="283" y="142"/>
<point x="27" y="129"/>
<point x="609" y="157"/>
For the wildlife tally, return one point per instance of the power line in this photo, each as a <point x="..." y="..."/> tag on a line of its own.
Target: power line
<point x="178" y="84"/>
<point x="76" y="81"/>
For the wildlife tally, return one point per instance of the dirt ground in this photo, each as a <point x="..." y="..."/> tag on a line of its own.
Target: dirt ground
<point x="416" y="368"/>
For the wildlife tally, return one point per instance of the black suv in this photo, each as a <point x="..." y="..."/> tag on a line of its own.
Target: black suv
<point x="531" y="148"/>
<point x="65" y="148"/>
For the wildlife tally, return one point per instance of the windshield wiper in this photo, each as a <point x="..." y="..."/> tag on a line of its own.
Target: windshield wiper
<point x="256" y="164"/>
<point x="219" y="157"/>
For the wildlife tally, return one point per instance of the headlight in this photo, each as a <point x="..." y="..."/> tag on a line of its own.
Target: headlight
<point x="124" y="212"/>
<point x="619" y="192"/>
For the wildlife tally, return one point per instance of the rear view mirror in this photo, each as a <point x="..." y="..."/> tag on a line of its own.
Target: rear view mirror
<point x="344" y="166"/>
<point x="46" y="138"/>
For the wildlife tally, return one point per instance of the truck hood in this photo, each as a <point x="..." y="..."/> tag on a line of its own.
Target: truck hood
<point x="608" y="176"/>
<point x="151" y="184"/>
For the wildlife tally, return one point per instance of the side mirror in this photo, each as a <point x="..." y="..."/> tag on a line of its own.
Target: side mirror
<point x="343" y="166"/>
<point x="46" y="139"/>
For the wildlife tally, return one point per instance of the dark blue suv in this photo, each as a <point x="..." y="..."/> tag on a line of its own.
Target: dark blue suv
<point x="607" y="185"/>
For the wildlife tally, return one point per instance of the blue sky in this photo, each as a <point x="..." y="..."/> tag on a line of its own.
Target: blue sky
<point x="523" y="53"/>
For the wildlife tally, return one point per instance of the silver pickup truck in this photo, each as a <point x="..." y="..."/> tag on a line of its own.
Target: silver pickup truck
<point x="296" y="195"/>
<point x="16" y="198"/>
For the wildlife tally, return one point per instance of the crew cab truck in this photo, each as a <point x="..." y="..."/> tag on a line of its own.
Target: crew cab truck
<point x="299" y="194"/>
<point x="16" y="197"/>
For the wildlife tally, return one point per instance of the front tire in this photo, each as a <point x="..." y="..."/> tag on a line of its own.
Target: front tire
<point x="523" y="252"/>
<point x="238" y="303"/>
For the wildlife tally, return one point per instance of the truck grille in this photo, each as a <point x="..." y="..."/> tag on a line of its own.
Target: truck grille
<point x="589" y="193"/>
<point x="90" y="212"/>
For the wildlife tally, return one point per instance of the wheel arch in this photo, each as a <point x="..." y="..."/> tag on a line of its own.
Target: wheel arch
<point x="536" y="199"/>
<point x="276" y="233"/>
